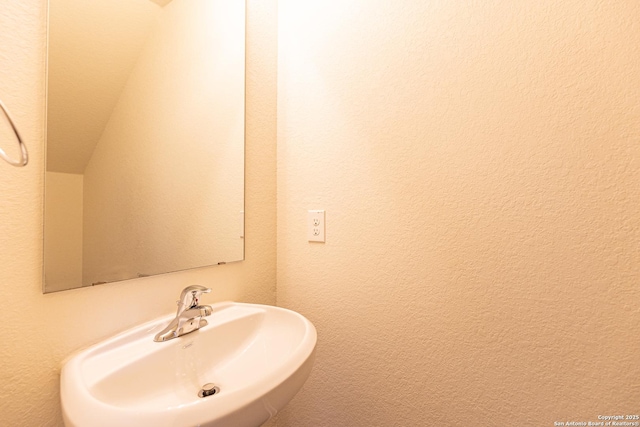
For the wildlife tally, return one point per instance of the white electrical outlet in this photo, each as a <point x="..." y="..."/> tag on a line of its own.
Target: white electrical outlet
<point x="315" y="226"/>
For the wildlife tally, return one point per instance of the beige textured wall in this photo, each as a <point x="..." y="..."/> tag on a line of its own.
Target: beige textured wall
<point x="479" y="165"/>
<point x="38" y="330"/>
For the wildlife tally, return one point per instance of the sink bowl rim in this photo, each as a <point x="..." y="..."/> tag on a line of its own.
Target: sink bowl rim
<point x="303" y="354"/>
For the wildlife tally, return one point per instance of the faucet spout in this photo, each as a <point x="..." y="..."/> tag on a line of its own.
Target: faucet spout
<point x="190" y="315"/>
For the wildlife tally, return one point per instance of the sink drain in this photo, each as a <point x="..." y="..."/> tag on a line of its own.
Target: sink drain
<point x="208" y="390"/>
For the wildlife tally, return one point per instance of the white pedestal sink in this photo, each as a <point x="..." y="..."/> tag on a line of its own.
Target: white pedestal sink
<point x="257" y="356"/>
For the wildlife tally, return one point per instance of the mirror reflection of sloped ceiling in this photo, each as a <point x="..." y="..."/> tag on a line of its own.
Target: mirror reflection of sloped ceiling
<point x="93" y="46"/>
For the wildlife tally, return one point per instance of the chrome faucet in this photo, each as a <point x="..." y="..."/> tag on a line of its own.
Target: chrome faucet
<point x="190" y="315"/>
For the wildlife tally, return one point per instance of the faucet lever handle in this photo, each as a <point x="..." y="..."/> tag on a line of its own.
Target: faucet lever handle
<point x="190" y="295"/>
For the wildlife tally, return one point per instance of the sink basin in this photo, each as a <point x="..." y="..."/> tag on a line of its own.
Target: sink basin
<point x="257" y="356"/>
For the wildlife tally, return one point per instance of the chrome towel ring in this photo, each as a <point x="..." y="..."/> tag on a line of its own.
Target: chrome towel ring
<point x="24" y="159"/>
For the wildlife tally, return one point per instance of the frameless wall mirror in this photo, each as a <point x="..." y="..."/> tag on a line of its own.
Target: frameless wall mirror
<point x="145" y="138"/>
